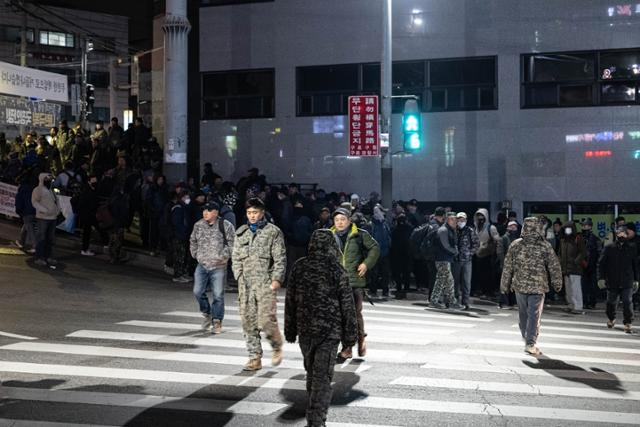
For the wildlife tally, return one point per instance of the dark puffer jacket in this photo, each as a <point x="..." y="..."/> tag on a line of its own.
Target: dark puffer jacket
<point x="618" y="265"/>
<point x="573" y="251"/>
<point x="319" y="301"/>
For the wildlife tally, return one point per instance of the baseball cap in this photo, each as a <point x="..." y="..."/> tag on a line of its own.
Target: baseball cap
<point x="341" y="211"/>
<point x="211" y="206"/>
<point x="440" y="211"/>
<point x="461" y="215"/>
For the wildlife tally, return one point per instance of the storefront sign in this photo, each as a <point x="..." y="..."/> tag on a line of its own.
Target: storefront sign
<point x="363" y="126"/>
<point x="32" y="83"/>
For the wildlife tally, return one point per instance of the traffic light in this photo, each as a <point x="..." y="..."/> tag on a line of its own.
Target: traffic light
<point x="90" y="97"/>
<point x="412" y="126"/>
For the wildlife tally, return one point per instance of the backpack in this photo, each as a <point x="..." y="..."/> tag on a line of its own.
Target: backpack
<point x="73" y="189"/>
<point x="416" y="237"/>
<point x="225" y="242"/>
<point x="430" y="243"/>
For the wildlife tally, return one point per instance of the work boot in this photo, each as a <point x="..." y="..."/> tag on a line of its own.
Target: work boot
<point x="611" y="323"/>
<point x="362" y="347"/>
<point x="253" y="365"/>
<point x="217" y="326"/>
<point x="627" y="328"/>
<point x="206" y="322"/>
<point x="276" y="357"/>
<point x="345" y="354"/>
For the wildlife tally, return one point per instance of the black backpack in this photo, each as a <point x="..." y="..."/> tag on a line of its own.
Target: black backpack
<point x="225" y="242"/>
<point x="430" y="243"/>
<point x="417" y="236"/>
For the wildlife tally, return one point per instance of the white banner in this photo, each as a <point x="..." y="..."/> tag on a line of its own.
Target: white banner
<point x="33" y="83"/>
<point x="8" y="199"/>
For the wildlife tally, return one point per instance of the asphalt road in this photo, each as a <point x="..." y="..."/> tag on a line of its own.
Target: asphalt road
<point x="94" y="344"/>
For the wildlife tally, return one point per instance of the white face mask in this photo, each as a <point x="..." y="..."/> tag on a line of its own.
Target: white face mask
<point x="462" y="224"/>
<point x="568" y="231"/>
<point x="187" y="201"/>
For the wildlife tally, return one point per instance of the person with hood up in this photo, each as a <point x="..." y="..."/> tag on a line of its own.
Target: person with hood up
<point x="45" y="203"/>
<point x="485" y="258"/>
<point x="320" y="311"/>
<point x="530" y="268"/>
<point x="619" y="274"/>
<point x="573" y="259"/>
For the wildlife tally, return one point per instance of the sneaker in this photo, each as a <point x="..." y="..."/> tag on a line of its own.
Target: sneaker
<point x="438" y="305"/>
<point x="576" y="312"/>
<point x="467" y="308"/>
<point x="40" y="262"/>
<point x="52" y="261"/>
<point x="18" y="244"/>
<point x="458" y="307"/>
<point x="31" y="251"/>
<point x="627" y="328"/>
<point x="87" y="253"/>
<point x="253" y="365"/>
<point x="532" y="350"/>
<point x="217" y="327"/>
<point x="206" y="322"/>
<point x="180" y="279"/>
<point x="276" y="357"/>
<point x="345" y="354"/>
<point x="611" y="323"/>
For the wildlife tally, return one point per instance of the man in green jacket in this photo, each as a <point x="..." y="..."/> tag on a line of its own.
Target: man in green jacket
<point x="358" y="254"/>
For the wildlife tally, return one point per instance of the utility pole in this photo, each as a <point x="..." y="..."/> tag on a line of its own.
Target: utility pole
<point x="83" y="85"/>
<point x="113" y="86"/>
<point x="386" y="175"/>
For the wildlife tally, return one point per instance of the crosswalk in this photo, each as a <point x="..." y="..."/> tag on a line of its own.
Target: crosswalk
<point x="423" y="367"/>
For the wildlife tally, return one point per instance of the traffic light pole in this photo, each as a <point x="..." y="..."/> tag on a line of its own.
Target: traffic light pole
<point x="83" y="88"/>
<point x="386" y="171"/>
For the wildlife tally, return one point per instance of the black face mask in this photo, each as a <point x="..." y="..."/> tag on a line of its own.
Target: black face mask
<point x="47" y="183"/>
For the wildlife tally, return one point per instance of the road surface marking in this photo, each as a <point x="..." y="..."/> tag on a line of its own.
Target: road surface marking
<point x="16" y="336"/>
<point x="603" y="331"/>
<point x="151" y="375"/>
<point x="564" y="358"/>
<point x="173" y="325"/>
<point x="575" y="337"/>
<point x="372" y="354"/>
<point x="534" y="371"/>
<point x="5" y="422"/>
<point x="496" y="410"/>
<point x="502" y="387"/>
<point x="142" y="401"/>
<point x="589" y="348"/>
<point x="575" y="322"/>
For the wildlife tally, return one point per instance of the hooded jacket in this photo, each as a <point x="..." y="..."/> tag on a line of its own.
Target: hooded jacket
<point x="359" y="248"/>
<point x="488" y="237"/>
<point x="44" y="200"/>
<point x="573" y="251"/>
<point x="531" y="264"/>
<point x="319" y="301"/>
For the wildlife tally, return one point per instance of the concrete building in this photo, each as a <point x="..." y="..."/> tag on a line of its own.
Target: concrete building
<point x="54" y="37"/>
<point x="537" y="106"/>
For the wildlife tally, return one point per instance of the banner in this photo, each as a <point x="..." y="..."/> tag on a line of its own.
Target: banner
<point x="33" y="83"/>
<point x="8" y="199"/>
<point x="33" y="114"/>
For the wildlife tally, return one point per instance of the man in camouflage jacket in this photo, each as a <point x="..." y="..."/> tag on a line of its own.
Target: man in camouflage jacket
<point x="530" y="266"/>
<point x="320" y="310"/>
<point x="259" y="262"/>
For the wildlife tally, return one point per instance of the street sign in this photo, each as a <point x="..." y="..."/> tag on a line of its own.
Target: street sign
<point x="363" y="126"/>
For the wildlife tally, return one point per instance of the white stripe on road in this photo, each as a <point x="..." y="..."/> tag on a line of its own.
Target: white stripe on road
<point x="330" y="424"/>
<point x="16" y="336"/>
<point x="496" y="410"/>
<point x="371" y="332"/>
<point x="576" y="337"/>
<point x="541" y="390"/>
<point x="5" y="422"/>
<point x="221" y="359"/>
<point x="372" y="354"/>
<point x="590" y="348"/>
<point x="150" y="375"/>
<point x="603" y="331"/>
<point x="574" y="322"/>
<point x="142" y="401"/>
<point x="538" y="371"/>
<point x="367" y="319"/>
<point x="563" y="358"/>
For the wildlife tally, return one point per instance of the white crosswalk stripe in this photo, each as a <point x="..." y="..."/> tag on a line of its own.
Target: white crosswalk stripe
<point x="589" y="348"/>
<point x="565" y="358"/>
<point x="575" y="337"/>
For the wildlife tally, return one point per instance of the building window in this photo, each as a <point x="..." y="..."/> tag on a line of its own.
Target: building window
<point x="98" y="78"/>
<point x="246" y="94"/>
<point x="54" y="38"/>
<point x="581" y="79"/>
<point x="441" y="85"/>
<point x="11" y="34"/>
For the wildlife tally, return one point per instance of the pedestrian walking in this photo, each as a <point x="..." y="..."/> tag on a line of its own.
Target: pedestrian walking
<point x="530" y="268"/>
<point x="320" y="311"/>
<point x="45" y="203"/>
<point x="180" y="241"/>
<point x="259" y="263"/>
<point x="358" y="253"/>
<point x="512" y="233"/>
<point x="573" y="255"/>
<point x="119" y="208"/>
<point x="445" y="252"/>
<point x="87" y="209"/>
<point x="211" y="243"/>
<point x="467" y="242"/>
<point x="619" y="274"/>
<point x="589" y="281"/>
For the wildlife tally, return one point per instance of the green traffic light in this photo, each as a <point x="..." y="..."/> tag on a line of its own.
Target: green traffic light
<point x="411" y="124"/>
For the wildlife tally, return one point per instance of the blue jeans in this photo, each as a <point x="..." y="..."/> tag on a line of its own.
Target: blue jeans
<point x="530" y="308"/>
<point x="462" y="280"/>
<point x="210" y="279"/>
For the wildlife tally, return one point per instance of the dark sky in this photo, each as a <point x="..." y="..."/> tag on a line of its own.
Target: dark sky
<point x="140" y="12"/>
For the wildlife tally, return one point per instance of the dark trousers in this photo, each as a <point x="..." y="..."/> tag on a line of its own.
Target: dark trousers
<point x="432" y="272"/>
<point x="380" y="276"/>
<point x="530" y="312"/>
<point x="45" y="237"/>
<point x="420" y="272"/>
<point x="180" y="257"/>
<point x="589" y="284"/>
<point x="613" y="296"/>
<point x="483" y="277"/>
<point x="154" y="233"/>
<point x="358" y="298"/>
<point x="87" y="226"/>
<point x="401" y="268"/>
<point x="144" y="230"/>
<point x="116" y="240"/>
<point x="319" y="361"/>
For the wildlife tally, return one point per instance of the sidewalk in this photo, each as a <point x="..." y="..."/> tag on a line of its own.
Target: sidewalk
<point x="10" y="231"/>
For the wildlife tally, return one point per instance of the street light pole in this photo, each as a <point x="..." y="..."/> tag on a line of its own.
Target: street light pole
<point x="386" y="175"/>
